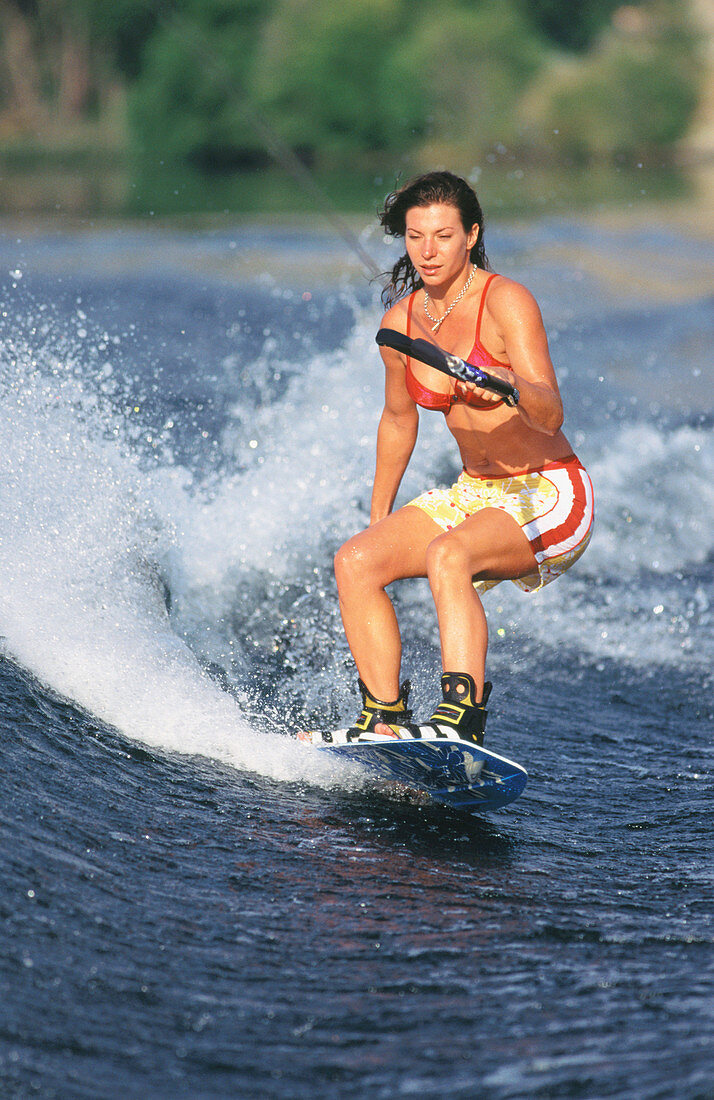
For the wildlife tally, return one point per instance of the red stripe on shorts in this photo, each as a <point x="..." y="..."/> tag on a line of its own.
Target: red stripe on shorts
<point x="557" y="534"/>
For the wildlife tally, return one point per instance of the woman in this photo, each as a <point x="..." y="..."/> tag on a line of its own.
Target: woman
<point x="522" y="508"/>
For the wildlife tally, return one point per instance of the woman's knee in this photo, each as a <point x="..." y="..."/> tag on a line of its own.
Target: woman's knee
<point x="353" y="562"/>
<point x="447" y="559"/>
<point x="366" y="562"/>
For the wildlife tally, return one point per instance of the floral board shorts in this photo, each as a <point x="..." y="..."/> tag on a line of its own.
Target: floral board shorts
<point x="553" y="506"/>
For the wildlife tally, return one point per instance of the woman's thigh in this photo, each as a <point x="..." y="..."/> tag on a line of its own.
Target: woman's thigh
<point x="392" y="549"/>
<point x="489" y="545"/>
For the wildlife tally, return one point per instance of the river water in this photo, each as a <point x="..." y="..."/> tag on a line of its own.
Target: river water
<point x="193" y="905"/>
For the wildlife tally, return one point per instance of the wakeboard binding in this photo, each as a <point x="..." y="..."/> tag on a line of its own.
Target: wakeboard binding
<point x="459" y="710"/>
<point x="396" y="715"/>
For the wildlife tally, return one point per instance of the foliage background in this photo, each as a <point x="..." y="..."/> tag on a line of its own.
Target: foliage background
<point x="212" y="89"/>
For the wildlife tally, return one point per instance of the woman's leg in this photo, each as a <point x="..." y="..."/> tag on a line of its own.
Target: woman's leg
<point x="390" y="550"/>
<point x="489" y="545"/>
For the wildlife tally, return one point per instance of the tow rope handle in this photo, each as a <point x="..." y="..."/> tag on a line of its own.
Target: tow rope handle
<point x="443" y="361"/>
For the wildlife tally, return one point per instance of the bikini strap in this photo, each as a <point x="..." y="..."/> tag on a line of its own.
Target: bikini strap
<point x="410" y="306"/>
<point x="483" y="303"/>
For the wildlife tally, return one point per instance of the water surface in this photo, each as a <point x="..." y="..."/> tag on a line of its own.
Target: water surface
<point x="192" y="904"/>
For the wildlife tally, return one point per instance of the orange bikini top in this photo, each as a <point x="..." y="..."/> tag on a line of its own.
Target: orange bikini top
<point x="478" y="357"/>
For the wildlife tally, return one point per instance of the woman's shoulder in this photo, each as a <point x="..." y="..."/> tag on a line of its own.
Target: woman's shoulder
<point x="397" y="315"/>
<point x="508" y="297"/>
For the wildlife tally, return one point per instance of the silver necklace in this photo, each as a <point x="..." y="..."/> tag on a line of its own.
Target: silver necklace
<point x="438" y="321"/>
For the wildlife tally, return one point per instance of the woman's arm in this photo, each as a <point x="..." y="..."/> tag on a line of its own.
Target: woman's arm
<point x="516" y="315"/>
<point x="396" y="436"/>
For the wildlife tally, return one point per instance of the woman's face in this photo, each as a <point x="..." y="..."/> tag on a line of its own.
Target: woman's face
<point x="437" y="244"/>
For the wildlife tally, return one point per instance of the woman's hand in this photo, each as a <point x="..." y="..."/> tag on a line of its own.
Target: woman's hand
<point x="461" y="389"/>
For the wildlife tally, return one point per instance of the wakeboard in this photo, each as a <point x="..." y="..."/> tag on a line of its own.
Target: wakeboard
<point x="454" y="772"/>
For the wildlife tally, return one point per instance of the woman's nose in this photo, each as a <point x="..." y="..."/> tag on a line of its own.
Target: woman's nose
<point x="428" y="248"/>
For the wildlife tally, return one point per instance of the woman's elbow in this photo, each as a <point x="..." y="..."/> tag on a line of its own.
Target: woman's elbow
<point x="547" y="420"/>
<point x="555" y="420"/>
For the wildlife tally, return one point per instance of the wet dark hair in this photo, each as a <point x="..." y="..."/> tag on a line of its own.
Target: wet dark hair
<point x="426" y="190"/>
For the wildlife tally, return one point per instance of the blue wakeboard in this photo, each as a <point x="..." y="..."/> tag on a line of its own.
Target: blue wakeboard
<point x="454" y="772"/>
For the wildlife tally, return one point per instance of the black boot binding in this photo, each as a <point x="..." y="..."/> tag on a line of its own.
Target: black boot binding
<point x="395" y="715"/>
<point x="459" y="709"/>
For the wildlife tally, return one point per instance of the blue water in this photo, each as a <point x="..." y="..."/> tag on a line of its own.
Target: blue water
<point x="194" y="906"/>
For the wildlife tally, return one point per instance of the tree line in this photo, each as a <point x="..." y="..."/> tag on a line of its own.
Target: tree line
<point x="218" y="84"/>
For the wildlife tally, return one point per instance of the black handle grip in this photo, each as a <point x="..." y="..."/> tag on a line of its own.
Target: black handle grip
<point x="433" y="356"/>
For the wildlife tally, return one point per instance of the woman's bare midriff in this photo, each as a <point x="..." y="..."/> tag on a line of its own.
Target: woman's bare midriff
<point x="498" y="443"/>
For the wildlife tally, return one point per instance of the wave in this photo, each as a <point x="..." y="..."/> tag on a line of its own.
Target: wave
<point x="85" y="535"/>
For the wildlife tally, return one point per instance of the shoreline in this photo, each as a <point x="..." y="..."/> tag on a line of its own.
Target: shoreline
<point x="644" y="270"/>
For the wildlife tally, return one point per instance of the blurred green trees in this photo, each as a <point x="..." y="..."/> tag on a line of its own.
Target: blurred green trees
<point x="570" y="24"/>
<point x="191" y="100"/>
<point x="211" y="83"/>
<point x="324" y="80"/>
<point x="474" y="62"/>
<point x="631" y="96"/>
